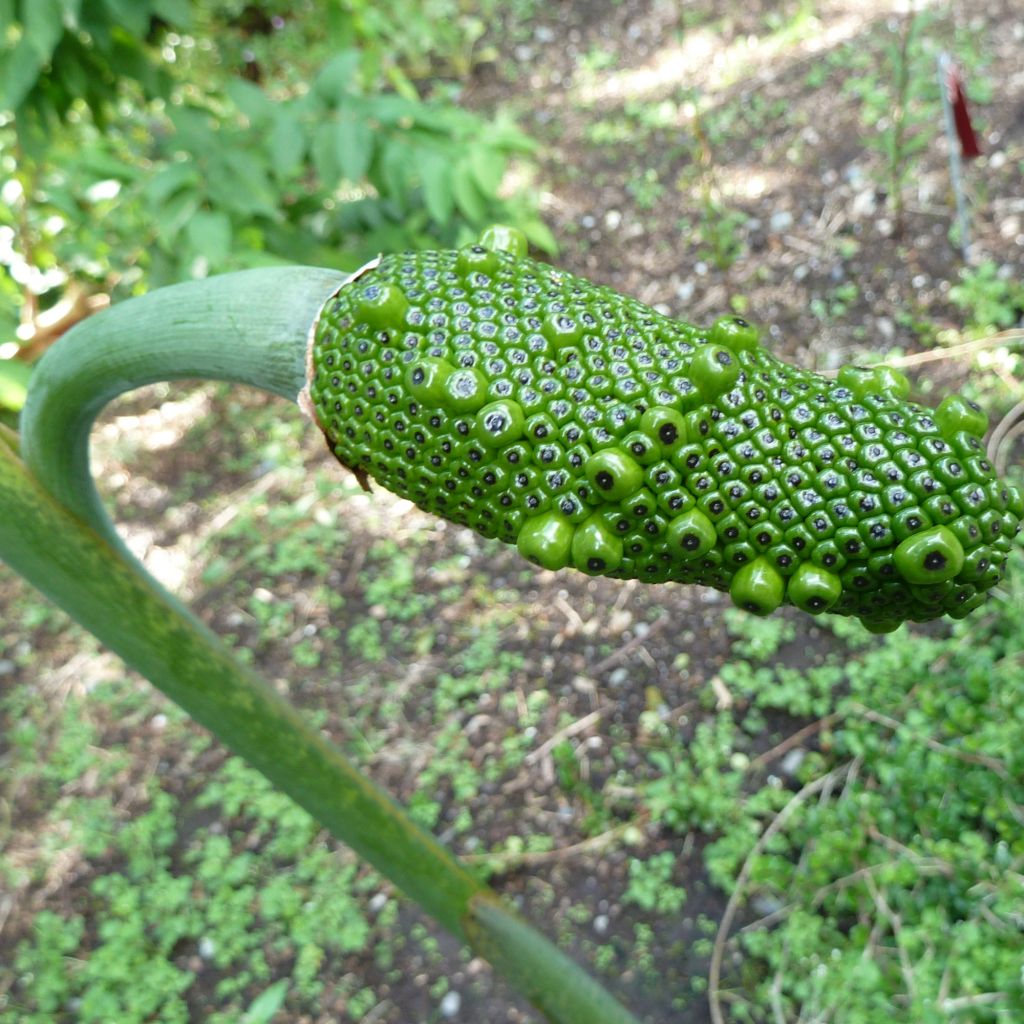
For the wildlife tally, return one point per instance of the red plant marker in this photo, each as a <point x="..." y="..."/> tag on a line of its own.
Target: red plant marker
<point x="969" y="145"/>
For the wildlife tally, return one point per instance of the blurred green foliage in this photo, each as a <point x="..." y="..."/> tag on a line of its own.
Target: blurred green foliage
<point x="148" y="141"/>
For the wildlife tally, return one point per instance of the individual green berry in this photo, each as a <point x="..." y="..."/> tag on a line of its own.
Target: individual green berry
<point x="640" y="446"/>
<point x="734" y="333"/>
<point x="813" y="589"/>
<point x="546" y="540"/>
<point x="956" y="413"/>
<point x="933" y="556"/>
<point x="881" y="625"/>
<point x="382" y="306"/>
<point x="714" y="370"/>
<point x="757" y="587"/>
<point x="889" y="381"/>
<point x="465" y="390"/>
<point x="596" y="550"/>
<point x="859" y="379"/>
<point x="666" y="425"/>
<point x="561" y="330"/>
<point x="426" y="378"/>
<point x="500" y="423"/>
<point x="613" y="474"/>
<point x="502" y="238"/>
<point x="476" y="259"/>
<point x="691" y="535"/>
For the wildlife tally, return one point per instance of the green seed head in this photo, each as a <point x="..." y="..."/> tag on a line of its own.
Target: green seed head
<point x="591" y="431"/>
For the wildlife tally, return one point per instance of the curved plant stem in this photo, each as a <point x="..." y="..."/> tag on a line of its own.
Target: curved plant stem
<point x="251" y="327"/>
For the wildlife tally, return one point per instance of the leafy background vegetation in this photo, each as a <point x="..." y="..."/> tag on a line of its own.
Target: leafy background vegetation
<point x="774" y="820"/>
<point x="155" y="141"/>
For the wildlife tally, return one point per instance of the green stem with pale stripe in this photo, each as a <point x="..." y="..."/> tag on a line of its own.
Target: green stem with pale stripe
<point x="253" y="328"/>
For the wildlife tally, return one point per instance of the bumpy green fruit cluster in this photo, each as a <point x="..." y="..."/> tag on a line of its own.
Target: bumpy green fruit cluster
<point x="591" y="431"/>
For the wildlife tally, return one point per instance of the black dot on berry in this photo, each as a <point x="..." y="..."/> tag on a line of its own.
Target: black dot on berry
<point x="605" y="480"/>
<point x="934" y="561"/>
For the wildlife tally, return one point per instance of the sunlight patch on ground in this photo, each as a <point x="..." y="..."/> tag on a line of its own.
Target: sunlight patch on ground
<point x="749" y="183"/>
<point x="160" y="427"/>
<point x="701" y="60"/>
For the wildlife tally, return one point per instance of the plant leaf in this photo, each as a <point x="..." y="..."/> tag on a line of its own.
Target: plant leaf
<point x="209" y="234"/>
<point x="250" y="99"/>
<point x="174" y="12"/>
<point x="472" y="205"/>
<point x="353" y="141"/>
<point x="435" y="173"/>
<point x="267" y="1003"/>
<point x="130" y="15"/>
<point x="333" y="81"/>
<point x="14" y="377"/>
<point x="539" y="234"/>
<point x="287" y="143"/>
<point x="44" y="25"/>
<point x="168" y="180"/>
<point x="488" y="167"/>
<point x="22" y="72"/>
<point x="173" y="215"/>
<point x="325" y="158"/>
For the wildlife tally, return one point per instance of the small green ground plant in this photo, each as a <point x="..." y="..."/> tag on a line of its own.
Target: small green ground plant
<point x="900" y="101"/>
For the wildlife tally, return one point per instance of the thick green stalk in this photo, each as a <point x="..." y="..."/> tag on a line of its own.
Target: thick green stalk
<point x="250" y="327"/>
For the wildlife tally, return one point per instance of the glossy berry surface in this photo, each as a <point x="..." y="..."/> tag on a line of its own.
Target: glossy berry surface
<point x="594" y="432"/>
